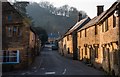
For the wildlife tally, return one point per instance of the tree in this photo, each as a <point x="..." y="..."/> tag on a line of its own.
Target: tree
<point x="73" y="12"/>
<point x="83" y="14"/>
<point x="51" y="18"/>
<point x="21" y="7"/>
<point x="65" y="10"/>
<point x="41" y="33"/>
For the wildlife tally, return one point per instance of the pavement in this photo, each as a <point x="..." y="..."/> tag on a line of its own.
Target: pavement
<point x="50" y="62"/>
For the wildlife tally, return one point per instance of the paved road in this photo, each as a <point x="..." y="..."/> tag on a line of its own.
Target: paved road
<point x="50" y="62"/>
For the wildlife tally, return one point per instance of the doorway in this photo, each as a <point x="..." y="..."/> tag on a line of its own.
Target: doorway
<point x="108" y="59"/>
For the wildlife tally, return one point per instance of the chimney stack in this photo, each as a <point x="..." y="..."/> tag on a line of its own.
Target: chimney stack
<point x="79" y="16"/>
<point x="100" y="9"/>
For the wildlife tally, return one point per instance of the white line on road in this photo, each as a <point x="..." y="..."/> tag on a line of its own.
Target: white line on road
<point x="42" y="68"/>
<point x="40" y="63"/>
<point x="35" y="71"/>
<point x="34" y="67"/>
<point x="28" y="72"/>
<point x="50" y="49"/>
<point x="23" y="73"/>
<point x="64" y="71"/>
<point x="49" y="73"/>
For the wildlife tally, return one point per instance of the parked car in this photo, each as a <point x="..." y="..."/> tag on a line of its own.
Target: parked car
<point x="54" y="47"/>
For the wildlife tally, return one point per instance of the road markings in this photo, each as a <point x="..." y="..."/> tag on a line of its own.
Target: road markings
<point x="40" y="63"/>
<point x="34" y="67"/>
<point x="23" y="73"/>
<point x="35" y="71"/>
<point x="49" y="73"/>
<point x="42" y="68"/>
<point x="49" y="49"/>
<point x="28" y="72"/>
<point x="64" y="71"/>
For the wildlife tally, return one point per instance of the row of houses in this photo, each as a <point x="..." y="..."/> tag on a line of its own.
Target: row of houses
<point x="17" y="35"/>
<point x="95" y="41"/>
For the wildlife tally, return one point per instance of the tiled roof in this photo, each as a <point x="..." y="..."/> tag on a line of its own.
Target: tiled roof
<point x="102" y="16"/>
<point x="90" y="23"/>
<point x="78" y="25"/>
<point x="110" y="11"/>
<point x="93" y="21"/>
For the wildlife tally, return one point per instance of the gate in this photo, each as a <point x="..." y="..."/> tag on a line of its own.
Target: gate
<point x="9" y="57"/>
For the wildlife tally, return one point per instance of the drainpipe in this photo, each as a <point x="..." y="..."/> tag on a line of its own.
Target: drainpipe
<point x="75" y="52"/>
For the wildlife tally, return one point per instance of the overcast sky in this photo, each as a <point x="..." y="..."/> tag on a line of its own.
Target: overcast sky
<point x="89" y="6"/>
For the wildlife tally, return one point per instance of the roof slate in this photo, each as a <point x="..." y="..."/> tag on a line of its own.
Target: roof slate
<point x="93" y="21"/>
<point x="102" y="16"/>
<point x="109" y="12"/>
<point x="78" y="25"/>
<point x="96" y="20"/>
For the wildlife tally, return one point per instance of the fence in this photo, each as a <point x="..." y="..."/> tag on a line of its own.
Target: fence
<point x="9" y="57"/>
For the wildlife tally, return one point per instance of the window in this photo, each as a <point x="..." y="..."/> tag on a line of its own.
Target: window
<point x="96" y="52"/>
<point x="68" y="38"/>
<point x="80" y="34"/>
<point x="19" y="32"/>
<point x="114" y="21"/>
<point x="14" y="30"/>
<point x="9" y="31"/>
<point x="96" y="30"/>
<point x="85" y="33"/>
<point x="103" y="27"/>
<point x="106" y="25"/>
<point x="9" y="18"/>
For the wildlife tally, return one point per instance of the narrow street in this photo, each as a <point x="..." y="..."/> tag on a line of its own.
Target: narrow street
<point x="50" y="62"/>
<point x="58" y="37"/>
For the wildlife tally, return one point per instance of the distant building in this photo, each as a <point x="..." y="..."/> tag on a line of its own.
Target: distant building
<point x="52" y="37"/>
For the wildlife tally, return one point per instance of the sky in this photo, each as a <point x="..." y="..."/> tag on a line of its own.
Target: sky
<point x="89" y="6"/>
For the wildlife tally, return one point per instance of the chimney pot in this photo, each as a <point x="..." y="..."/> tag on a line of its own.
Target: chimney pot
<point x="100" y="9"/>
<point x="79" y="16"/>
